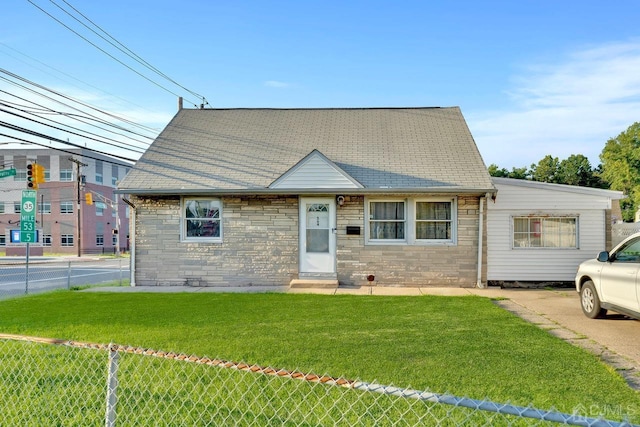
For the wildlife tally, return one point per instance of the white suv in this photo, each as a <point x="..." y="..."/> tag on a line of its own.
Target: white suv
<point x="611" y="281"/>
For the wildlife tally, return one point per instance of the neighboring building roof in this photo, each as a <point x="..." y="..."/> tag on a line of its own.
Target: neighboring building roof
<point x="248" y="150"/>
<point x="613" y="195"/>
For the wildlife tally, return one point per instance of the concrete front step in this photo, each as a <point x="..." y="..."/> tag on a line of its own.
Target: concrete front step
<point x="313" y="283"/>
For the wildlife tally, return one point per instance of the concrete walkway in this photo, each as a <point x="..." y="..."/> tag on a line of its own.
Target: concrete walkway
<point x="616" y="339"/>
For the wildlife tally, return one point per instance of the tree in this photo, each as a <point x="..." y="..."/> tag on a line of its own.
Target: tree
<point x="495" y="171"/>
<point x="621" y="167"/>
<point x="516" y="173"/>
<point x="576" y="170"/>
<point x="547" y="170"/>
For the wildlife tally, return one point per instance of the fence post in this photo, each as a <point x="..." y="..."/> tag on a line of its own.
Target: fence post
<point x="120" y="270"/>
<point x="112" y="387"/>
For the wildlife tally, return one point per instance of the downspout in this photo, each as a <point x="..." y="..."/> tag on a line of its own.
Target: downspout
<point x="479" y="283"/>
<point x="132" y="240"/>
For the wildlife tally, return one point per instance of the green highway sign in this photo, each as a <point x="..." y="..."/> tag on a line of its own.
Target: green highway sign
<point x="7" y="172"/>
<point x="27" y="237"/>
<point x="28" y="216"/>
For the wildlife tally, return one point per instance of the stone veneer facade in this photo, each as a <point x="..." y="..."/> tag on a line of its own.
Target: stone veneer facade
<point x="260" y="247"/>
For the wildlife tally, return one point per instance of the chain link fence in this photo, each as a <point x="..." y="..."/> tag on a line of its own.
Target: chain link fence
<point x="17" y="277"/>
<point x="55" y="382"/>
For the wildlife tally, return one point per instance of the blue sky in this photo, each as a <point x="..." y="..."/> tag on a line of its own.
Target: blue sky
<point x="531" y="77"/>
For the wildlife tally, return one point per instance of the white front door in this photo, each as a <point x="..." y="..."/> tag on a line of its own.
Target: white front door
<point x="317" y="235"/>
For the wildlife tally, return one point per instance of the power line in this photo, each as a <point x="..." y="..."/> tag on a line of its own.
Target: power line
<point x="51" y="138"/>
<point x="39" y="86"/>
<point x="73" y="133"/>
<point x="75" y="117"/>
<point x="121" y="47"/>
<point x="68" y="151"/>
<point x="13" y="105"/>
<point x="105" y="52"/>
<point x="66" y="75"/>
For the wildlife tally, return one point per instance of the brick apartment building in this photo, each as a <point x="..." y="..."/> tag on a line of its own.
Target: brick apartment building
<point x="57" y="198"/>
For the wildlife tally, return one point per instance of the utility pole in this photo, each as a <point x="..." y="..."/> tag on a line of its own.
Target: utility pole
<point x="115" y="206"/>
<point x="79" y="203"/>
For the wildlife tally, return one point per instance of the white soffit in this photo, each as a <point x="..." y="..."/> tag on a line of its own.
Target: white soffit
<point x="313" y="172"/>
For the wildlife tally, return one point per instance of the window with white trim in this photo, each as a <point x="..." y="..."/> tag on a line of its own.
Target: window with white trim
<point x="545" y="232"/>
<point x="412" y="221"/>
<point x="99" y="239"/>
<point x="46" y="240"/>
<point x="66" y="175"/>
<point x="202" y="219"/>
<point x="66" y="208"/>
<point x="387" y="220"/>
<point x="435" y="221"/>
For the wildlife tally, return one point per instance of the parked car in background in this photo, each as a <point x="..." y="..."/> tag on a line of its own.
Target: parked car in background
<point x="611" y="282"/>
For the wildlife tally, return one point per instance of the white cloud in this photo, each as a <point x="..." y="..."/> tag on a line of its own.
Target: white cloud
<point x="570" y="107"/>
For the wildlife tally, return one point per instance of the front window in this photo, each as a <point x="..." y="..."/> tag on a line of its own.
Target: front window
<point x="387" y="221"/>
<point x="545" y="232"/>
<point x="202" y="219"/>
<point x="99" y="239"/>
<point x="412" y="221"/>
<point x="98" y="178"/>
<point x="1" y="207"/>
<point x="17" y="207"/>
<point x="434" y="220"/>
<point x="46" y="240"/>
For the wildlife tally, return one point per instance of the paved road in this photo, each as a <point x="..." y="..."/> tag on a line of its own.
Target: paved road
<point x="56" y="275"/>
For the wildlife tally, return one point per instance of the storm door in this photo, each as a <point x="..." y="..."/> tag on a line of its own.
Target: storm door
<point x="317" y="235"/>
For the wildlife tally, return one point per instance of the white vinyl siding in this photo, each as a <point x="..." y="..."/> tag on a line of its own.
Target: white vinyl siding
<point x="315" y="171"/>
<point x="506" y="262"/>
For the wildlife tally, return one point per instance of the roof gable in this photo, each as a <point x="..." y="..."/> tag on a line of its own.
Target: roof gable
<point x="315" y="171"/>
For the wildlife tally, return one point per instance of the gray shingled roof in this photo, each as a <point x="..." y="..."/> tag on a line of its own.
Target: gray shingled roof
<point x="245" y="150"/>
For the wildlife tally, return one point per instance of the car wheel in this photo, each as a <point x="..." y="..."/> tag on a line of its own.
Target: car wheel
<point x="590" y="302"/>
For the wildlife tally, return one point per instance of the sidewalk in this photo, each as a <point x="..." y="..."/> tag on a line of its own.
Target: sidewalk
<point x="615" y="340"/>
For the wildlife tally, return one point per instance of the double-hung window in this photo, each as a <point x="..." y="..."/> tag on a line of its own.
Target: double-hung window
<point x="202" y="219"/>
<point x="434" y="221"/>
<point x="387" y="221"/>
<point x="545" y="232"/>
<point x="412" y="221"/>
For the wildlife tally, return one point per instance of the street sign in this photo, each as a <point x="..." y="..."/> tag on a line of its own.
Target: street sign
<point x="28" y="216"/>
<point x="7" y="172"/>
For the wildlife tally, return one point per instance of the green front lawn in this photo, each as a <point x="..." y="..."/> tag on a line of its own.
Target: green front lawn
<point x="466" y="346"/>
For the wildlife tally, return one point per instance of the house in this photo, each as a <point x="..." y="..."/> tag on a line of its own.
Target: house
<point x="540" y="232"/>
<point x="355" y="196"/>
<point x="57" y="200"/>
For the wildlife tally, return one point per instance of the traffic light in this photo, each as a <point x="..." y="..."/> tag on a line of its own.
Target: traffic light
<point x="39" y="173"/>
<point x="88" y="198"/>
<point x="32" y="181"/>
